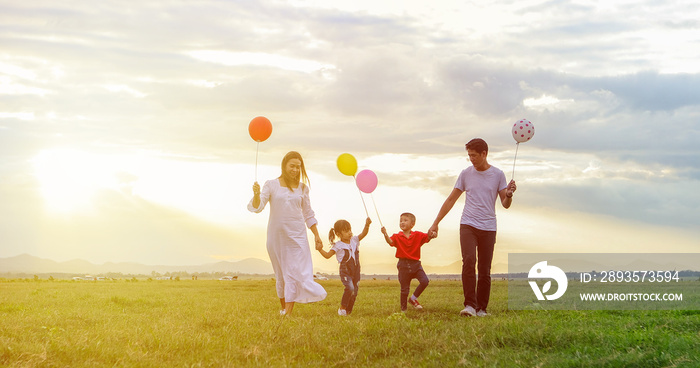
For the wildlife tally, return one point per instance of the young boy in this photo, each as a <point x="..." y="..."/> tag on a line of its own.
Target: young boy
<point x="408" y="245"/>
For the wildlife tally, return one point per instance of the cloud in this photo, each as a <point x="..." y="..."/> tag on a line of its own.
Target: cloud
<point x="652" y="91"/>
<point x="643" y="201"/>
<point x="612" y="89"/>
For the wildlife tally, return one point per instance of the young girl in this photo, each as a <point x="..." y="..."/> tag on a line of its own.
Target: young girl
<point x="347" y="253"/>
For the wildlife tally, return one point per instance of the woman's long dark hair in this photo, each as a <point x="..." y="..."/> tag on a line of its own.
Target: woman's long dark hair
<point x="285" y="179"/>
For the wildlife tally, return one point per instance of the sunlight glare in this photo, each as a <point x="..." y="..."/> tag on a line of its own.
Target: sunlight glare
<point x="70" y="178"/>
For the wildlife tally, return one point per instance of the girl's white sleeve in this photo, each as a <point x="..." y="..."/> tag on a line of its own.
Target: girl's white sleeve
<point x="264" y="198"/>
<point x="309" y="215"/>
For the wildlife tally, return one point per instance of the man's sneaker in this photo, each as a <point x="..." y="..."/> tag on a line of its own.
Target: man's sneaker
<point x="481" y="313"/>
<point x="468" y="311"/>
<point x="414" y="303"/>
<point x="342" y="312"/>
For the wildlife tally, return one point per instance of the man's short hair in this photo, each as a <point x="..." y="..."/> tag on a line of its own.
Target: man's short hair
<point x="479" y="145"/>
<point x="410" y="216"/>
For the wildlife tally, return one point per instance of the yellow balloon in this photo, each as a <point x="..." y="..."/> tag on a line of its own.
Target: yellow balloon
<point x="347" y="164"/>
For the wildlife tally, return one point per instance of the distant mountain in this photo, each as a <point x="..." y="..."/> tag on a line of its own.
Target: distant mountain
<point x="34" y="265"/>
<point x="248" y="265"/>
<point x="29" y="264"/>
<point x="454" y="268"/>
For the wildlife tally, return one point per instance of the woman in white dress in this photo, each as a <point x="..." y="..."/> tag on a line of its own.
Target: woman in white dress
<point x="287" y="241"/>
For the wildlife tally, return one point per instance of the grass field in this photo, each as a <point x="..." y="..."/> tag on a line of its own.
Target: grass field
<point x="208" y="323"/>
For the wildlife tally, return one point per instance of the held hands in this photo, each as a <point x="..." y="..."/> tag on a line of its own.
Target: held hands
<point x="433" y="232"/>
<point x="319" y="246"/>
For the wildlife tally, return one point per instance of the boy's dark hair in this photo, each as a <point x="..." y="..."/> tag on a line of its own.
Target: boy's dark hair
<point x="410" y="216"/>
<point x="479" y="145"/>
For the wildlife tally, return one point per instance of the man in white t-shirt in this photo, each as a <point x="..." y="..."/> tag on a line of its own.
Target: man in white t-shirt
<point x="483" y="184"/>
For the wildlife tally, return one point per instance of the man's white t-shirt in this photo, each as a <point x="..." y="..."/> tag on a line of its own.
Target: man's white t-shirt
<point x="481" y="189"/>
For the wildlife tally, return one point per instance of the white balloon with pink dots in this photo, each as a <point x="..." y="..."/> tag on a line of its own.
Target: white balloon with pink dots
<point x="523" y="130"/>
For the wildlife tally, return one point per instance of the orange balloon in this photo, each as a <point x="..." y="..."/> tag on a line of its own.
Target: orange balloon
<point x="260" y="128"/>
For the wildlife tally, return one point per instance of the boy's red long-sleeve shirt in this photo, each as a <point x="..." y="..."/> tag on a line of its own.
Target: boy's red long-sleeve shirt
<point x="409" y="248"/>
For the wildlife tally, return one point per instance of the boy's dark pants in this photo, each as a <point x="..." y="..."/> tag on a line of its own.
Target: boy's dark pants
<point x="472" y="241"/>
<point x="410" y="269"/>
<point x="350" y="277"/>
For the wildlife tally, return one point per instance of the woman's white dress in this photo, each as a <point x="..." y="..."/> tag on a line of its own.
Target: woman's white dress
<point x="288" y="243"/>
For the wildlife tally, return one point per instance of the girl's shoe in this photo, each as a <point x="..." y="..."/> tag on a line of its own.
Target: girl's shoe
<point x="342" y="312"/>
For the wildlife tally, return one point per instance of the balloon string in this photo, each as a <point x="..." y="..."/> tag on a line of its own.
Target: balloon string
<point x="256" y="161"/>
<point x="363" y="200"/>
<point x="375" y="210"/>
<point x="517" y="145"/>
<point x="363" y="203"/>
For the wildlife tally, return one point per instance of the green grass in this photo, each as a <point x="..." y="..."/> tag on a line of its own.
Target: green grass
<point x="209" y="323"/>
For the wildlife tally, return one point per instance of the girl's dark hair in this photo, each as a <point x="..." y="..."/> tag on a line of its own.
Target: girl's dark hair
<point x="340" y="225"/>
<point x="286" y="180"/>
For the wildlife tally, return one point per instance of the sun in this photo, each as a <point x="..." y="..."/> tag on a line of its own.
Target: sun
<point x="72" y="181"/>
<point x="69" y="179"/>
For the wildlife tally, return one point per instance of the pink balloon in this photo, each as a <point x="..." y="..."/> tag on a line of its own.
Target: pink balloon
<point x="366" y="180"/>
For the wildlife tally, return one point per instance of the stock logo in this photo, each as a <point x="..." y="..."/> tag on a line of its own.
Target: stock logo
<point x="542" y="271"/>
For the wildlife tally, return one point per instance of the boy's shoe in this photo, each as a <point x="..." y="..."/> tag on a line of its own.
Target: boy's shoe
<point x="481" y="313"/>
<point x="342" y="312"/>
<point x="468" y="311"/>
<point x="414" y="303"/>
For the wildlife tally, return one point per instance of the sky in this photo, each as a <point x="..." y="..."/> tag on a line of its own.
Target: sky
<point x="124" y="125"/>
